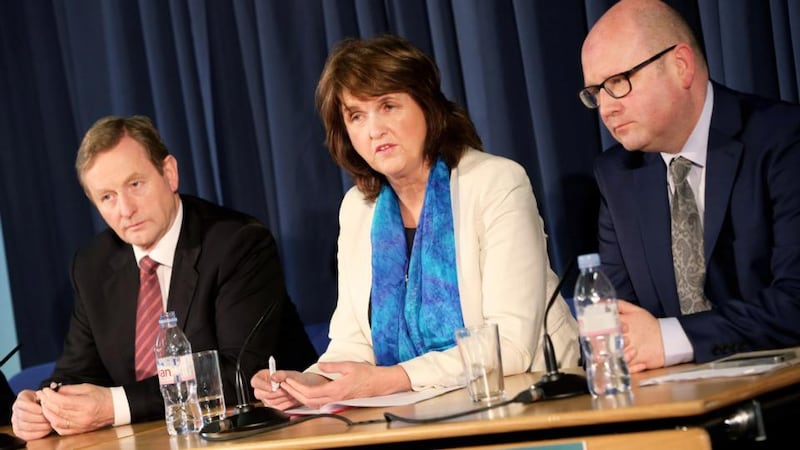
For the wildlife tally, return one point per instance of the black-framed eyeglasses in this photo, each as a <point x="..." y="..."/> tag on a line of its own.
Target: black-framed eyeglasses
<point x="618" y="85"/>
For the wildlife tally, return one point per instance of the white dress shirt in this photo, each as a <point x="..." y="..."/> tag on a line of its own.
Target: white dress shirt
<point x="677" y="348"/>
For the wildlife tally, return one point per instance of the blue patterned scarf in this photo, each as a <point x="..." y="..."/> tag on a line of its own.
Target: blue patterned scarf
<point x="415" y="312"/>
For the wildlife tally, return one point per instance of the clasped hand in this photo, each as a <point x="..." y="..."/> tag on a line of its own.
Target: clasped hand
<point x="355" y="380"/>
<point x="642" y="335"/>
<point x="73" y="409"/>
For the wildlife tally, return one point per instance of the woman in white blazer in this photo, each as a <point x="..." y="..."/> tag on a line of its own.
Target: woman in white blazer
<point x="435" y="234"/>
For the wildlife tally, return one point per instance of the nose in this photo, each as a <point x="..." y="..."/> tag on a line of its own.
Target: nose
<point x="606" y="104"/>
<point x="377" y="129"/>
<point x="126" y="205"/>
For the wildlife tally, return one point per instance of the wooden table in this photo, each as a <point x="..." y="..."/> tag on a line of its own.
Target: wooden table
<point x="669" y="415"/>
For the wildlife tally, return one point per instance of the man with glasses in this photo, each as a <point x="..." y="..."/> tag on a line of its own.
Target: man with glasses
<point x="699" y="224"/>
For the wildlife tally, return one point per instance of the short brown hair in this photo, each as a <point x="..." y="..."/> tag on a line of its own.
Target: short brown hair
<point x="381" y="65"/>
<point x="108" y="131"/>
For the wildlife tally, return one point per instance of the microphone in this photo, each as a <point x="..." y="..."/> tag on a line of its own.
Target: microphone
<point x="554" y="383"/>
<point x="247" y="419"/>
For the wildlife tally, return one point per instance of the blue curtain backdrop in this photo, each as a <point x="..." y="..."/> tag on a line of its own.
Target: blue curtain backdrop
<point x="230" y="85"/>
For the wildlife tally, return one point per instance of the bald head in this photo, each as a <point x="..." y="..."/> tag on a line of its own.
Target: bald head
<point x="651" y="24"/>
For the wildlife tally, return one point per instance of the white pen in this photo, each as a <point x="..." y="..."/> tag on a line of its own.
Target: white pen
<point x="275" y="384"/>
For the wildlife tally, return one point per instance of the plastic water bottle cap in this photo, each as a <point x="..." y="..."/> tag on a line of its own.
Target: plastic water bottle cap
<point x="167" y="318"/>
<point x="588" y="260"/>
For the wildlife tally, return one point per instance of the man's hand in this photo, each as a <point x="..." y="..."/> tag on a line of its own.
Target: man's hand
<point x="642" y="332"/>
<point x="78" y="408"/>
<point x="27" y="419"/>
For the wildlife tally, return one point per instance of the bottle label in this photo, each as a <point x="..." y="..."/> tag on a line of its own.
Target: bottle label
<point x="600" y="318"/>
<point x="173" y="369"/>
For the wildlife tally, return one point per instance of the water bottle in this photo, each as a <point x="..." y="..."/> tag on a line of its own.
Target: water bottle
<point x="600" y="330"/>
<point x="176" y="377"/>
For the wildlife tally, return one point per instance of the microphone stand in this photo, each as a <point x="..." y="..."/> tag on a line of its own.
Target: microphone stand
<point x="554" y="383"/>
<point x="247" y="419"/>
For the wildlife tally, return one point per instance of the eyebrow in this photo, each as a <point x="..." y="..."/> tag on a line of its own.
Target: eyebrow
<point x="390" y="95"/>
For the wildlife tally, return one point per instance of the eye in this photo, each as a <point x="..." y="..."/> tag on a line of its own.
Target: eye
<point x="106" y="197"/>
<point x="616" y="83"/>
<point x="355" y="117"/>
<point x="388" y="106"/>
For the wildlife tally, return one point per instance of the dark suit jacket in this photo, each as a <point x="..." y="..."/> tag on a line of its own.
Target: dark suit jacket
<point x="751" y="228"/>
<point x="6" y="400"/>
<point x="225" y="274"/>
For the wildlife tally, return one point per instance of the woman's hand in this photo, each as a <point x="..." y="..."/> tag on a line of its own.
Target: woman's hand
<point x="356" y="380"/>
<point x="280" y="398"/>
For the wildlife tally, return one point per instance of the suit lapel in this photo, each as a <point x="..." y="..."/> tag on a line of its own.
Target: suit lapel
<point x="184" y="269"/>
<point x="121" y="294"/>
<point x="724" y="154"/>
<point x="649" y="183"/>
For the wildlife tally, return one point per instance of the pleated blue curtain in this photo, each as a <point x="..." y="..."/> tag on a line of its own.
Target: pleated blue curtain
<point x="230" y="85"/>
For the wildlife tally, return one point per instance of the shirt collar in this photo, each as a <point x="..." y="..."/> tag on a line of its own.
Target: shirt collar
<point x="696" y="147"/>
<point x="164" y="250"/>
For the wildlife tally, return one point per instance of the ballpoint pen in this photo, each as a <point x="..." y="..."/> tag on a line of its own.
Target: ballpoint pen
<point x="275" y="384"/>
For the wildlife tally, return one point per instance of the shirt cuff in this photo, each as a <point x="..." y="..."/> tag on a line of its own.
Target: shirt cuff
<point x="122" y="411"/>
<point x="676" y="345"/>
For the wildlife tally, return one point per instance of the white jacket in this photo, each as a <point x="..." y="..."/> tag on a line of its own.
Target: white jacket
<point x="504" y="275"/>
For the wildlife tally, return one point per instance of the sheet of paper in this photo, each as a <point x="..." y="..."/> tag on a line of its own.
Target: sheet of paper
<point x="700" y="374"/>
<point x="382" y="401"/>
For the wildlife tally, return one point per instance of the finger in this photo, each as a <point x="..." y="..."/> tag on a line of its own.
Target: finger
<point x="281" y="402"/>
<point x="28" y="407"/>
<point x="30" y="432"/>
<point x="624" y="307"/>
<point x="638" y="367"/>
<point x="66" y="399"/>
<point x="66" y="426"/>
<point x="29" y="422"/>
<point x="260" y="380"/>
<point x="314" y="396"/>
<point x="31" y="417"/>
<point x="630" y="356"/>
<point x="268" y="394"/>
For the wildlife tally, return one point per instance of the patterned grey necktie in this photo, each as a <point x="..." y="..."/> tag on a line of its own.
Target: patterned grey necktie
<point x="687" y="241"/>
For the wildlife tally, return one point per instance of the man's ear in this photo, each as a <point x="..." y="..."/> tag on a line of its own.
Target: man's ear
<point x="685" y="64"/>
<point x="170" y="169"/>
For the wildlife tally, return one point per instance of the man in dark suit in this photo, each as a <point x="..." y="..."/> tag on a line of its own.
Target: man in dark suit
<point x="217" y="269"/>
<point x="709" y="262"/>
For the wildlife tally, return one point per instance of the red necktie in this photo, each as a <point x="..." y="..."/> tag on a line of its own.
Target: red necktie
<point x="148" y="310"/>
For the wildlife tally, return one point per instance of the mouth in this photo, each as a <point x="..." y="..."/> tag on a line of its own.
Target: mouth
<point x="383" y="148"/>
<point x="134" y="226"/>
<point x="620" y="128"/>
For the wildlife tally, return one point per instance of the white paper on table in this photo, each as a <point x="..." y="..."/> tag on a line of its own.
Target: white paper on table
<point x="397" y="399"/>
<point x="701" y="374"/>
